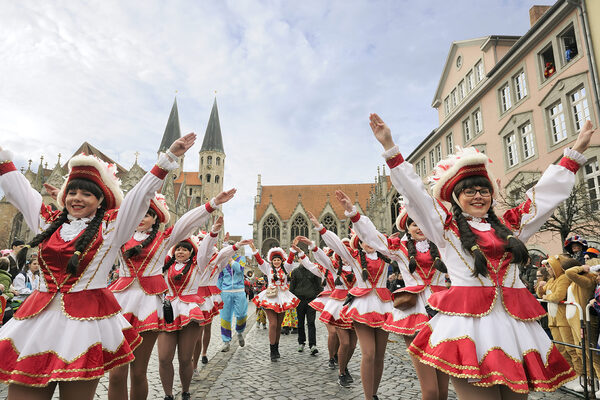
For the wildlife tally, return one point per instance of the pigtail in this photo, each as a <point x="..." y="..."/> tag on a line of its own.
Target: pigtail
<point x="437" y="261"/>
<point x="519" y="251"/>
<point x="168" y="264"/>
<point x="85" y="239"/>
<point x="136" y="250"/>
<point x="338" y="280"/>
<point x="40" y="237"/>
<point x="185" y="269"/>
<point x="469" y="241"/>
<point x="412" y="253"/>
<point x="363" y="264"/>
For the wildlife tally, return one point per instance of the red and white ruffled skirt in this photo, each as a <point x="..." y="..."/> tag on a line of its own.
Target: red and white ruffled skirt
<point x="331" y="314"/>
<point x="368" y="309"/>
<point x="408" y="321"/>
<point x="493" y="349"/>
<point x="284" y="300"/>
<point x="320" y="302"/>
<point x="53" y="347"/>
<point x="143" y="311"/>
<point x="183" y="314"/>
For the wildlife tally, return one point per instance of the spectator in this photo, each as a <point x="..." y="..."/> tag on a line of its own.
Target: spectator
<point x="306" y="286"/>
<point x="542" y="276"/>
<point x="16" y="246"/>
<point x="554" y="291"/>
<point x="528" y="275"/>
<point x="26" y="281"/>
<point x="590" y="254"/>
<point x="576" y="246"/>
<point x="5" y="282"/>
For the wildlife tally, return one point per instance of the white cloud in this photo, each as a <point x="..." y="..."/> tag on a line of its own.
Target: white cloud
<point x="295" y="81"/>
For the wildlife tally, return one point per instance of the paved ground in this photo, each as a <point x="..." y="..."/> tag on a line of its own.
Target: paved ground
<point x="248" y="373"/>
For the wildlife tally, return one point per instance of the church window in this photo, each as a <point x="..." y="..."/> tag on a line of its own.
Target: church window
<point x="271" y="228"/>
<point x="209" y="160"/>
<point x="217" y="178"/>
<point x="395" y="209"/>
<point x="330" y="224"/>
<point x="299" y="226"/>
<point x="218" y="160"/>
<point x="207" y="178"/>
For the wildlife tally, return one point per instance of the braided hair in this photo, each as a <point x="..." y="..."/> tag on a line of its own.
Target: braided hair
<point x="338" y="280"/>
<point x="363" y="260"/>
<point x="468" y="239"/>
<point x="186" y="245"/>
<point x="412" y="252"/>
<point x="84" y="240"/>
<point x="136" y="250"/>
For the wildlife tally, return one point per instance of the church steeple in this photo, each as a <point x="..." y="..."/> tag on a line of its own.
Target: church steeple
<point x="172" y="130"/>
<point x="213" y="141"/>
<point x="172" y="133"/>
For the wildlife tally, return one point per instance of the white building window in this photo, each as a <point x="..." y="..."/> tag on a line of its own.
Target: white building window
<point x="579" y="105"/>
<point x="438" y="153"/>
<point x="591" y="175"/>
<point x="470" y="81"/>
<point x="424" y="166"/>
<point x="520" y="85"/>
<point x="418" y="168"/>
<point x="447" y="105"/>
<point x="557" y="122"/>
<point x="479" y="71"/>
<point x="449" y="144"/>
<point x="467" y="131"/>
<point x="461" y="90"/>
<point x="453" y="101"/>
<point x="431" y="159"/>
<point x="527" y="140"/>
<point x="512" y="154"/>
<point x="477" y="121"/>
<point x="505" y="98"/>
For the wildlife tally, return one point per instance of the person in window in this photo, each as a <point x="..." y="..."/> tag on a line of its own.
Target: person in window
<point x="549" y="69"/>
<point x="570" y="52"/>
<point x="482" y="253"/>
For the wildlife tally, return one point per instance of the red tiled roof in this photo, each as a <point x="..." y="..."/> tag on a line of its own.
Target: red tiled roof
<point x="191" y="179"/>
<point x="314" y="198"/>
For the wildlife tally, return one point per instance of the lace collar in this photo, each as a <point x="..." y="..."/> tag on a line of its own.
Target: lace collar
<point x="422" y="246"/>
<point x="478" y="223"/>
<point x="70" y="230"/>
<point x="140" y="236"/>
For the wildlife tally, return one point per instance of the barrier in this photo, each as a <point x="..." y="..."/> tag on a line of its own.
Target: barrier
<point x="584" y="322"/>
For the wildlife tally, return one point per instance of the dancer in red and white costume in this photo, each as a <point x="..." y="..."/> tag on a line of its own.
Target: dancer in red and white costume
<point x="423" y="273"/>
<point x="70" y="331"/>
<point x="343" y="281"/>
<point x="276" y="298"/>
<point x="369" y="304"/>
<point x="482" y="253"/>
<point x="141" y="284"/>
<point x="184" y="267"/>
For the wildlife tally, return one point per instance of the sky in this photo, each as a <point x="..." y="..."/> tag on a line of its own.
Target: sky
<point x="295" y="81"/>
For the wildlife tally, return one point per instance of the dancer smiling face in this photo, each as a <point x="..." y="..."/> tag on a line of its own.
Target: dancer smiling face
<point x="183" y="253"/>
<point x="83" y="198"/>
<point x="474" y="195"/>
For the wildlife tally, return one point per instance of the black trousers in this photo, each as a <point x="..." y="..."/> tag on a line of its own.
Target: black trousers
<point x="304" y="310"/>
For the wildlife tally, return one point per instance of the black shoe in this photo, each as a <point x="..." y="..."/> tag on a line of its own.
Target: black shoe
<point x="273" y="353"/>
<point x="186" y="396"/>
<point x="313" y="350"/>
<point x="375" y="397"/>
<point x="204" y="360"/>
<point x="277" y="350"/>
<point x="343" y="381"/>
<point x="350" y="378"/>
<point x="335" y="358"/>
<point x="169" y="398"/>
<point x="331" y="363"/>
<point x="294" y="331"/>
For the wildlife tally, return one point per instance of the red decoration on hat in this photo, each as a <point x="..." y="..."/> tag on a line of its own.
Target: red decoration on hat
<point x="159" y="205"/>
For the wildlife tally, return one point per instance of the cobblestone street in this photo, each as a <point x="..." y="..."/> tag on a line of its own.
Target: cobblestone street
<point x="248" y="373"/>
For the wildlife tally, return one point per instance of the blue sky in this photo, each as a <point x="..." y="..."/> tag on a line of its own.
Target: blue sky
<point x="295" y="81"/>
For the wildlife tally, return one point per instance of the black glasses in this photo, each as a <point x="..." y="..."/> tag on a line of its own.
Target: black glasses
<point x="484" y="192"/>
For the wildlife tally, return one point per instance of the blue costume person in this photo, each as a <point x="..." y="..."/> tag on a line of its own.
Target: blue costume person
<point x="231" y="283"/>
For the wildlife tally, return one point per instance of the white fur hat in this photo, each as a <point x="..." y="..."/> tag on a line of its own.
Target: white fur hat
<point x="101" y="173"/>
<point x="159" y="205"/>
<point x="276" y="251"/>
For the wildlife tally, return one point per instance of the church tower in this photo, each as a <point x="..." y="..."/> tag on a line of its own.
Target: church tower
<point x="171" y="134"/>
<point x="212" y="158"/>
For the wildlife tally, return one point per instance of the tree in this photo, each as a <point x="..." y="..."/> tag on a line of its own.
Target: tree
<point x="578" y="214"/>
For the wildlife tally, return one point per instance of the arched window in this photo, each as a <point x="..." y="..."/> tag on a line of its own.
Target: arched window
<point x="200" y="178"/>
<point x="395" y="209"/>
<point x="218" y="160"/>
<point x="207" y="178"/>
<point x="330" y="224"/>
<point x="271" y="228"/>
<point x="209" y="160"/>
<point x="217" y="177"/>
<point x="299" y="226"/>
